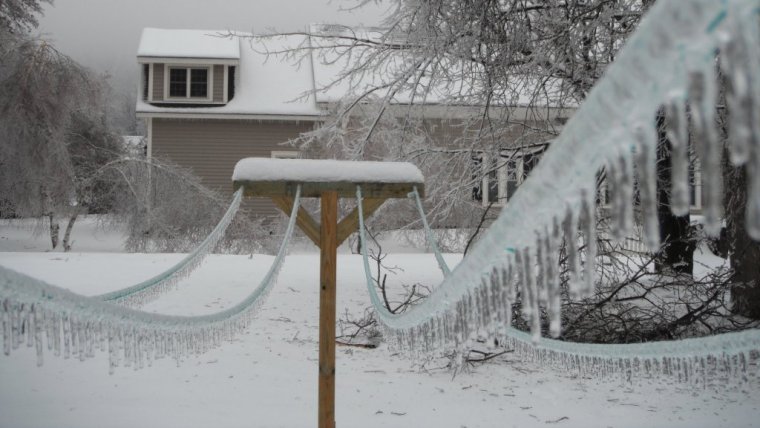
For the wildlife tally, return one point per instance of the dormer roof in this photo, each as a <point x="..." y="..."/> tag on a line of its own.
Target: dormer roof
<point x="163" y="43"/>
<point x="264" y="86"/>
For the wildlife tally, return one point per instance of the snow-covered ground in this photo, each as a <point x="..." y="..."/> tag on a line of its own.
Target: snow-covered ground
<point x="268" y="376"/>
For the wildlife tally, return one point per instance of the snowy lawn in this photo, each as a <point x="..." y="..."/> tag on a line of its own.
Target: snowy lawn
<point x="268" y="377"/>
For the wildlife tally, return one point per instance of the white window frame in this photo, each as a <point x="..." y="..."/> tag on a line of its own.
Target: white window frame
<point x="502" y="174"/>
<point x="188" y="99"/>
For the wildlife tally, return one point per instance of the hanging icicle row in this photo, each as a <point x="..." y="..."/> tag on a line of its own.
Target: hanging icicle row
<point x="679" y="41"/>
<point x="148" y="290"/>
<point x="76" y="326"/>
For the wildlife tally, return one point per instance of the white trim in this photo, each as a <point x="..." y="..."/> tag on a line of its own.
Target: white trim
<point x="150" y="82"/>
<point x="177" y="115"/>
<point x="149" y="131"/>
<point x="202" y="61"/>
<point x="225" y="96"/>
<point x="188" y="99"/>
<point x="285" y="154"/>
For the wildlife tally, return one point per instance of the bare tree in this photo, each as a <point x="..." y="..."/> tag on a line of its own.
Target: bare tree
<point x="42" y="92"/>
<point x="501" y="73"/>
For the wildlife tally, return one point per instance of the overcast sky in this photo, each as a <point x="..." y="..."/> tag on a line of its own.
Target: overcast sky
<point x="104" y="34"/>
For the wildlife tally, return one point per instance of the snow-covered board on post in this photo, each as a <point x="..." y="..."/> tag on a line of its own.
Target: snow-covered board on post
<point x="329" y="180"/>
<point x="266" y="177"/>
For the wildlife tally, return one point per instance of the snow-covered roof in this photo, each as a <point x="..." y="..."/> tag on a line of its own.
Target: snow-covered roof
<point x="265" y="85"/>
<point x="341" y="55"/>
<point x="326" y="171"/>
<point x="158" y="42"/>
<point x="278" y="85"/>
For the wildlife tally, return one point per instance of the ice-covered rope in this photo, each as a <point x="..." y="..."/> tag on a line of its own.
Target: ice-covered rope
<point x="429" y="233"/>
<point x="139" y="294"/>
<point x="669" y="61"/>
<point x="75" y="325"/>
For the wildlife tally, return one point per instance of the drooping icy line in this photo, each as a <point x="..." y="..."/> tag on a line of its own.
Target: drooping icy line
<point x="145" y="291"/>
<point x="75" y="325"/>
<point x="669" y="62"/>
<point x="668" y="66"/>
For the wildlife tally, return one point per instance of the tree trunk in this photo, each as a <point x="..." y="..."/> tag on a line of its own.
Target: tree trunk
<point x="744" y="252"/>
<point x="67" y="235"/>
<point x="54" y="228"/>
<point x="677" y="250"/>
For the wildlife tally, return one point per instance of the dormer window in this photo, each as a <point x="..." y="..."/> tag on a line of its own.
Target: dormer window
<point x="189" y="83"/>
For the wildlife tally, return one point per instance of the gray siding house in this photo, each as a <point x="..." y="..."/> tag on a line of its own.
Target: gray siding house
<point x="209" y="100"/>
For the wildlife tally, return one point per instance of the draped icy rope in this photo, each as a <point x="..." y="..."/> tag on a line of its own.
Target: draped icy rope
<point x="670" y="61"/>
<point x="429" y="234"/>
<point x="75" y="325"/>
<point x="144" y="292"/>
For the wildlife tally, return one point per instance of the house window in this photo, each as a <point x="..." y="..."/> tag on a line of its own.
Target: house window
<point x="188" y="82"/>
<point x="198" y="82"/>
<point x="230" y="82"/>
<point x="145" y="79"/>
<point x="500" y="177"/>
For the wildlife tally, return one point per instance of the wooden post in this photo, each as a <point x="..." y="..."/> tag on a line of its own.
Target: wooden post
<point x="327" y="236"/>
<point x="327" y="278"/>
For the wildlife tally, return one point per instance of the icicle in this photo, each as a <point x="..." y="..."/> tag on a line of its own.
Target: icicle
<point x="49" y="328"/>
<point x="496" y="298"/>
<point x="709" y="148"/>
<point x="532" y="295"/>
<point x="15" y="327"/>
<point x="752" y="218"/>
<point x="511" y="286"/>
<point x="74" y="350"/>
<point x="484" y="304"/>
<point x="37" y="315"/>
<point x="620" y="173"/>
<point x="57" y="335"/>
<point x="5" y="306"/>
<point x="646" y="161"/>
<point x="678" y="134"/>
<point x="541" y="292"/>
<point x="29" y="327"/>
<point x="570" y="231"/>
<point x="588" y="225"/>
<point x="508" y="296"/>
<point x="734" y="63"/>
<point x="526" y="308"/>
<point x="554" y="303"/>
<point x="82" y="337"/>
<point x="751" y="35"/>
<point x="112" y="349"/>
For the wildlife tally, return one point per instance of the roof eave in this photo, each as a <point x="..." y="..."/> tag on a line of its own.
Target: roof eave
<point x="237" y="116"/>
<point x="146" y="59"/>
